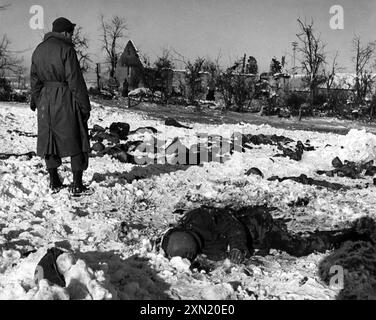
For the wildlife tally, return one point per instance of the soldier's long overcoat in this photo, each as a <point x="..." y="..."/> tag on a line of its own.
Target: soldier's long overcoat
<point x="59" y="93"/>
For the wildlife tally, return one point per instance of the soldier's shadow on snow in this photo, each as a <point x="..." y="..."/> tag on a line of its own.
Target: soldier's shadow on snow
<point x="134" y="277"/>
<point x="137" y="173"/>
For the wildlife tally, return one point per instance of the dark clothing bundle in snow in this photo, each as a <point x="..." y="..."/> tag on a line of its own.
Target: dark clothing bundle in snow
<point x="303" y="179"/>
<point x="47" y="268"/>
<point x="265" y="139"/>
<point x="59" y="93"/>
<point x="22" y="133"/>
<point x="216" y="149"/>
<point x="120" y="129"/>
<point x="357" y="258"/>
<point x="349" y="169"/>
<point x="268" y="233"/>
<point x="173" y="123"/>
<point x="220" y="230"/>
<point x="141" y="130"/>
<point x="279" y="141"/>
<point x="295" y="153"/>
<point x="28" y="155"/>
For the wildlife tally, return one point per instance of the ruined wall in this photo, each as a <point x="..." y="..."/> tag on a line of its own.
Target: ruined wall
<point x="131" y="69"/>
<point x="178" y="82"/>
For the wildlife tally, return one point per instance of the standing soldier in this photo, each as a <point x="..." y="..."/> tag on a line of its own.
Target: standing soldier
<point x="60" y="94"/>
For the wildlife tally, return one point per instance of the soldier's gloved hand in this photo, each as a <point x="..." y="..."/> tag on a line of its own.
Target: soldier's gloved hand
<point x="236" y="256"/>
<point x="33" y="107"/>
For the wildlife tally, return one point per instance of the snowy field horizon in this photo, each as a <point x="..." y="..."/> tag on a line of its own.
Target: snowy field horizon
<point x="146" y="199"/>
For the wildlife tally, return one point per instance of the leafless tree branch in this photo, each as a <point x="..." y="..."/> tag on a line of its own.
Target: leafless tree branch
<point x="332" y="72"/>
<point x="113" y="31"/>
<point x="313" y="55"/>
<point x="363" y="57"/>
<point x="8" y="62"/>
<point x="81" y="43"/>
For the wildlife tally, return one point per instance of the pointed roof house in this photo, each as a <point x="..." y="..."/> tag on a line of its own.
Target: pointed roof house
<point x="131" y="71"/>
<point x="130" y="67"/>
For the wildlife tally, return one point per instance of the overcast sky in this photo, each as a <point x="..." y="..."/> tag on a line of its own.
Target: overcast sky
<point x="262" y="28"/>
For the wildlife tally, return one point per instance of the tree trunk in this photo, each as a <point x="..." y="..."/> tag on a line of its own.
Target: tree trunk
<point x="312" y="92"/>
<point x="300" y="113"/>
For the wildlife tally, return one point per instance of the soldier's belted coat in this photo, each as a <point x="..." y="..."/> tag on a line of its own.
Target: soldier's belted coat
<point x="60" y="94"/>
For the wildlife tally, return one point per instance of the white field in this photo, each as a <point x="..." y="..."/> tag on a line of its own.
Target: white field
<point x="31" y="218"/>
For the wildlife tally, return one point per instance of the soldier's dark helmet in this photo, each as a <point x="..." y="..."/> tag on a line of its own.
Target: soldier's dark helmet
<point x="181" y="242"/>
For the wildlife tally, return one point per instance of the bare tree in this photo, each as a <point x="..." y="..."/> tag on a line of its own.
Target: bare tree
<point x="113" y="31"/>
<point x="20" y="74"/>
<point x="156" y="75"/>
<point x="243" y="90"/>
<point x="212" y="66"/>
<point x="145" y="58"/>
<point x="8" y="62"/>
<point x="236" y="87"/>
<point x="214" y="69"/>
<point x="165" y="60"/>
<point x="363" y="57"/>
<point x="225" y="87"/>
<point x="313" y="56"/>
<point x="193" y="81"/>
<point x="163" y="64"/>
<point x="81" y="44"/>
<point x="330" y="74"/>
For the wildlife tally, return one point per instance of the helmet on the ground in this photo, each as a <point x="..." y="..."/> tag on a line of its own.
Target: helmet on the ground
<point x="181" y="242"/>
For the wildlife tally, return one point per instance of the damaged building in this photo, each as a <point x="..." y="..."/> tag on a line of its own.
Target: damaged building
<point x="130" y="69"/>
<point x="133" y="73"/>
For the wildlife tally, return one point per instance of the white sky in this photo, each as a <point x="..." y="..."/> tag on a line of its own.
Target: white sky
<point x="200" y="27"/>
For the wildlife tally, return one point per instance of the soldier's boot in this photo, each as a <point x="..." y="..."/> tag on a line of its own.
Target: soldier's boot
<point x="55" y="182"/>
<point x="77" y="187"/>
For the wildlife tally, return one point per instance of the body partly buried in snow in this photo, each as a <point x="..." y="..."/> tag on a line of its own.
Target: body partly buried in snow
<point x="145" y="199"/>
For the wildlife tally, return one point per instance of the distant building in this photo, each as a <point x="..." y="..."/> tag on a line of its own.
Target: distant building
<point x="177" y="79"/>
<point x="274" y="82"/>
<point x="130" y="68"/>
<point x="342" y="81"/>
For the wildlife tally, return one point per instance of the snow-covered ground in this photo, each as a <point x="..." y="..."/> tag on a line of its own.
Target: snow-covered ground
<point x="31" y="218"/>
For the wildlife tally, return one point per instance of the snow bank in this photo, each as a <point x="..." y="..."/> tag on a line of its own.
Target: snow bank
<point x="82" y="283"/>
<point x="359" y="146"/>
<point x="145" y="197"/>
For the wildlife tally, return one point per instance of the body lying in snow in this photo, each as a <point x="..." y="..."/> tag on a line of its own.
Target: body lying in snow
<point x="221" y="233"/>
